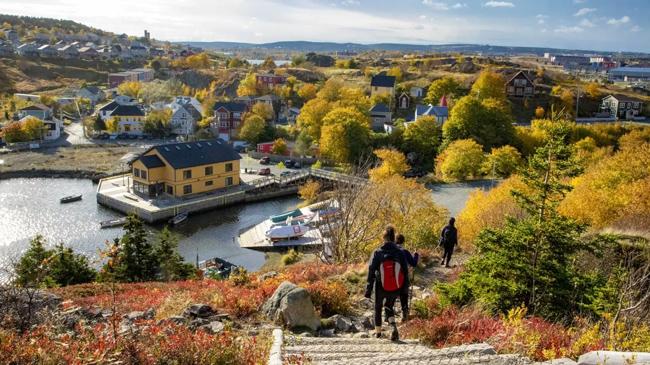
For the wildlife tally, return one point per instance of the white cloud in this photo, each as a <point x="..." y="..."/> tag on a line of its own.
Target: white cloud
<point x="587" y="23"/>
<point x="499" y="4"/>
<point x="436" y="5"/>
<point x="635" y="28"/>
<point x="622" y="20"/>
<point x="566" y="29"/>
<point x="541" y="18"/>
<point x="459" y="5"/>
<point x="584" y="11"/>
<point x="422" y="17"/>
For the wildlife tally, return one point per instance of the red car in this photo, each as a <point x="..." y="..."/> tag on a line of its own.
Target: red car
<point x="265" y="160"/>
<point x="264" y="171"/>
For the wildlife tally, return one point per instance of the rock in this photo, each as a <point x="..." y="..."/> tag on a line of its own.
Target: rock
<point x="361" y="335"/>
<point x="342" y="324"/>
<point x="562" y="361"/>
<point x="135" y="316"/>
<point x="268" y="275"/>
<point x="198" y="311"/>
<point x="178" y="320"/>
<point x="198" y="322"/>
<point x="614" y="358"/>
<point x="326" y="332"/>
<point x="26" y="307"/>
<point x="292" y="306"/>
<point x="212" y="328"/>
<point x="305" y="334"/>
<point x="149" y="313"/>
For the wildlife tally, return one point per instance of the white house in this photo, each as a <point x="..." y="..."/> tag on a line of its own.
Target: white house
<point x="182" y="121"/>
<point x="92" y="93"/>
<point x="51" y="127"/>
<point x="416" y="92"/>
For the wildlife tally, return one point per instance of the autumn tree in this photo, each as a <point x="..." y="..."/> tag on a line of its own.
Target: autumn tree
<point x="446" y="86"/>
<point x="198" y="61"/>
<point x="487" y="121"/>
<point x="268" y="63"/>
<point x="235" y="62"/>
<point x="345" y="135"/>
<point x="311" y="117"/>
<point x="397" y="72"/>
<point x="502" y="162"/>
<point x="489" y="84"/>
<point x="392" y="163"/>
<point x="252" y="129"/>
<point x="330" y="90"/>
<point x="13" y="132"/>
<point x="248" y="86"/>
<point x="462" y="159"/>
<point x="33" y="128"/>
<point x="130" y="88"/>
<point x="422" y="139"/>
<point x="264" y="110"/>
<point x="157" y="123"/>
<point x="307" y="92"/>
<point x="279" y="147"/>
<point x="309" y="191"/>
<point x="593" y="90"/>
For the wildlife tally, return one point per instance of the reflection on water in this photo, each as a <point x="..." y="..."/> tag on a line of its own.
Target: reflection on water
<point x="31" y="206"/>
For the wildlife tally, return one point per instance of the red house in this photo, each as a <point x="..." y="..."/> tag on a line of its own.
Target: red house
<point x="228" y="118"/>
<point x="270" y="80"/>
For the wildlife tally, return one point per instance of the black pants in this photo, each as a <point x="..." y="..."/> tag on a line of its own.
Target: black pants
<point x="404" y="301"/>
<point x="446" y="257"/>
<point x="385" y="300"/>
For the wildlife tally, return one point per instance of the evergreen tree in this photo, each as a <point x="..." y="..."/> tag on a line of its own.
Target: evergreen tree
<point x="530" y="261"/>
<point x="137" y="260"/>
<point x="31" y="269"/>
<point x="171" y="264"/>
<point x="69" y="268"/>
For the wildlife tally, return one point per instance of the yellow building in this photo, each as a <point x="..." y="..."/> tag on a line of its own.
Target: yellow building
<point x="182" y="169"/>
<point x="130" y="119"/>
<point x="382" y="85"/>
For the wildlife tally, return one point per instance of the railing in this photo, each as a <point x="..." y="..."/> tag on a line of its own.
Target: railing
<point x="303" y="174"/>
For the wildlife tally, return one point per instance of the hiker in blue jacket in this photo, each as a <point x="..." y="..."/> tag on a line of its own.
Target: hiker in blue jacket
<point x="388" y="273"/>
<point x="412" y="260"/>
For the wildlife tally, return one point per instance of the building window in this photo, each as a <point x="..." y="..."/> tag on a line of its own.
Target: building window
<point x="229" y="181"/>
<point x="209" y="183"/>
<point x="143" y="174"/>
<point x="170" y="190"/>
<point x="208" y="171"/>
<point x="187" y="174"/>
<point x="187" y="189"/>
<point x="136" y="172"/>
<point x="229" y="167"/>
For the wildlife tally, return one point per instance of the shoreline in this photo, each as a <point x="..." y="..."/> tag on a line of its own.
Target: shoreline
<point x="55" y="174"/>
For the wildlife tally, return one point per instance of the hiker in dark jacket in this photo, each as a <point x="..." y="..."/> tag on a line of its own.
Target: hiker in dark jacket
<point x="388" y="253"/>
<point x="448" y="239"/>
<point x="412" y="260"/>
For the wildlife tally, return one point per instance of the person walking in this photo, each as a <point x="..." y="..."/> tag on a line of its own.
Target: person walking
<point x="388" y="274"/>
<point x="448" y="239"/>
<point x="412" y="260"/>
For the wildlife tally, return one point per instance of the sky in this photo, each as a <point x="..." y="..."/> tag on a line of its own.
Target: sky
<point x="621" y="25"/>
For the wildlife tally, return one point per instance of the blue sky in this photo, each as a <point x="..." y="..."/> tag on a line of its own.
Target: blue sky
<point x="621" y="25"/>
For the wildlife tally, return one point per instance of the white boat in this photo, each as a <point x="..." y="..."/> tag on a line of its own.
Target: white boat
<point x="178" y="219"/>
<point x="113" y="222"/>
<point x="286" y="232"/>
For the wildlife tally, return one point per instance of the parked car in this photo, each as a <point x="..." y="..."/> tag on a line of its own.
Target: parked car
<point x="264" y="171"/>
<point x="103" y="136"/>
<point x="123" y="136"/>
<point x="285" y="173"/>
<point x="289" y="163"/>
<point x="265" y="160"/>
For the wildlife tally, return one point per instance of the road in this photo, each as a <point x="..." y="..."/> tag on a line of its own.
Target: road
<point x="250" y="163"/>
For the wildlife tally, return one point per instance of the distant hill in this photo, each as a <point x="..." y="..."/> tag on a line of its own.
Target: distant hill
<point x="306" y="46"/>
<point x="27" y="23"/>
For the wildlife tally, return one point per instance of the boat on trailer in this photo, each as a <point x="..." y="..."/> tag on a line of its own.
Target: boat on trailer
<point x="70" y="199"/>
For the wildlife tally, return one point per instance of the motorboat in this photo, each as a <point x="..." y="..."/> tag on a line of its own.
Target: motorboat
<point x="70" y="199"/>
<point x="283" y="217"/>
<point x="113" y="222"/>
<point x="287" y="232"/>
<point x="178" y="219"/>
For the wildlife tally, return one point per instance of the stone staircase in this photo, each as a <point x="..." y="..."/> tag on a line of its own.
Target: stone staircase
<point x="373" y="351"/>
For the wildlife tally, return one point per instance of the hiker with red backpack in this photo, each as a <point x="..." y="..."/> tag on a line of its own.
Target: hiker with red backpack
<point x="388" y="273"/>
<point x="412" y="260"/>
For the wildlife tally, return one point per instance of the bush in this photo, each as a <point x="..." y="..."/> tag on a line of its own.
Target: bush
<point x="291" y="257"/>
<point x="330" y="297"/>
<point x="462" y="159"/>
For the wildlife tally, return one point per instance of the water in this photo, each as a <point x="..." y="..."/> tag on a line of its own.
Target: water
<point x="31" y="206"/>
<point x="277" y="62"/>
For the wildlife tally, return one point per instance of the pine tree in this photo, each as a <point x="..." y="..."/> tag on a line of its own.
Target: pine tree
<point x="137" y="260"/>
<point x="31" y="269"/>
<point x="171" y="265"/>
<point x="68" y="268"/>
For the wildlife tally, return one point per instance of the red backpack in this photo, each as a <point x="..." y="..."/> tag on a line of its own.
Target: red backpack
<point x="391" y="274"/>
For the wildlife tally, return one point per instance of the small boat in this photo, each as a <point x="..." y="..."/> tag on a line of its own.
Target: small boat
<point x="113" y="222"/>
<point x="70" y="199"/>
<point x="178" y="219"/>
<point x="218" y="266"/>
<point x="283" y="217"/>
<point x="286" y="232"/>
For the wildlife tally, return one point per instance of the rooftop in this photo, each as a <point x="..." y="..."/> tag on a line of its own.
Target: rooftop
<point x="128" y="110"/>
<point x="383" y="81"/>
<point x="380" y="108"/>
<point x="230" y="106"/>
<point x="190" y="154"/>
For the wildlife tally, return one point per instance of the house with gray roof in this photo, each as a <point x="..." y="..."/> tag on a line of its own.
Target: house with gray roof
<point x="629" y="74"/>
<point x="380" y="114"/>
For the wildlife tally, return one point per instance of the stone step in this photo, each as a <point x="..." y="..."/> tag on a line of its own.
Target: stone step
<point x="381" y="359"/>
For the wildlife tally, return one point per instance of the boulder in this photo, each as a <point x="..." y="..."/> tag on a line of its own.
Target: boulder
<point x="268" y="275"/>
<point x="562" y="361"/>
<point x="178" y="320"/>
<point x="342" y="324"/>
<point x="292" y="306"/>
<point x="135" y="316"/>
<point x="212" y="328"/>
<point x="326" y="332"/>
<point x="198" y="311"/>
<point x="614" y="358"/>
<point x="198" y="322"/>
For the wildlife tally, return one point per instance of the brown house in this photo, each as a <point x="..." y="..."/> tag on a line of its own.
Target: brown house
<point x="520" y="85"/>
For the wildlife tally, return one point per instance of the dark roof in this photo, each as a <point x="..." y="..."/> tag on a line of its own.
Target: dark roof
<point x="152" y="161"/>
<point x="193" y="111"/>
<point x="190" y="154"/>
<point x="621" y="97"/>
<point x="231" y="106"/>
<point x="380" y="108"/>
<point x="517" y="75"/>
<point x="110" y="106"/>
<point x="36" y="107"/>
<point x="127" y="110"/>
<point x="93" y="89"/>
<point x="383" y="81"/>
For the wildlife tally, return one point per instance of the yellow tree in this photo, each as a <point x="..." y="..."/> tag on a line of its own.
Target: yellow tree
<point x="130" y="88"/>
<point x="33" y="128"/>
<point x="489" y="85"/>
<point x="307" y="92"/>
<point x="252" y="129"/>
<point x="112" y="125"/>
<point x="263" y="110"/>
<point x="311" y="117"/>
<point x="446" y="86"/>
<point x="593" y="90"/>
<point x="248" y="86"/>
<point x="345" y="135"/>
<point x="397" y="72"/>
<point x="393" y="162"/>
<point x="330" y="91"/>
<point x="279" y="147"/>
<point x="502" y="162"/>
<point x="309" y="192"/>
<point x="462" y="159"/>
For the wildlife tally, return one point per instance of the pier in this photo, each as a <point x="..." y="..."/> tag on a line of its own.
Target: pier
<point x="116" y="193"/>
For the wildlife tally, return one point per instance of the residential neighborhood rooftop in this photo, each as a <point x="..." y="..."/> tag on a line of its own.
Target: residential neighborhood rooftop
<point x="383" y="81"/>
<point x="190" y="154"/>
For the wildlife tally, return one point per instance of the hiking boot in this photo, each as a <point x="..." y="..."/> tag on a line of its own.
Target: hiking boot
<point x="378" y="332"/>
<point x="447" y="266"/>
<point x="442" y="263"/>
<point x="394" y="335"/>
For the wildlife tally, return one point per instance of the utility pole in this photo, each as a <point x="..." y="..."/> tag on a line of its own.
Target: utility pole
<point x="577" y="101"/>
